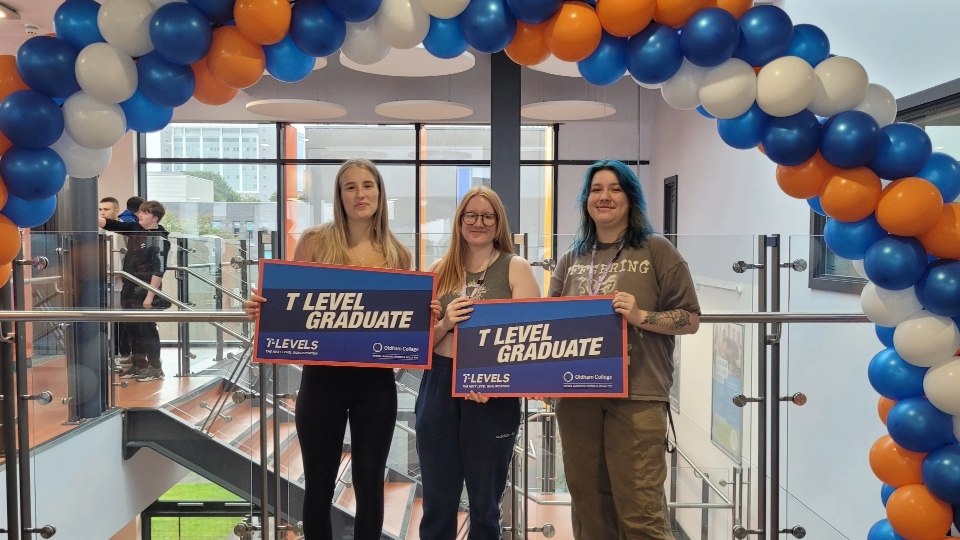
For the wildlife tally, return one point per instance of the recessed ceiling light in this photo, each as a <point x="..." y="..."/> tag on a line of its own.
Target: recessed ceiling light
<point x="7" y="12"/>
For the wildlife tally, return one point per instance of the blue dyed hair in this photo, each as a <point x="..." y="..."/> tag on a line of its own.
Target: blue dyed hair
<point x="639" y="228"/>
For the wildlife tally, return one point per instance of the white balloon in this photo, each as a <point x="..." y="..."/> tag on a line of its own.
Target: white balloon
<point x="880" y="104"/>
<point x="402" y="24"/>
<point x="841" y="85"/>
<point x="941" y="385"/>
<point x="106" y="73"/>
<point x="682" y="91"/>
<point x="729" y="90"/>
<point x="81" y="162"/>
<point x="646" y="85"/>
<point x="926" y="340"/>
<point x="888" y="308"/>
<point x="362" y="44"/>
<point x="444" y="9"/>
<point x="125" y="24"/>
<point x="786" y="86"/>
<point x="858" y="266"/>
<point x="93" y="124"/>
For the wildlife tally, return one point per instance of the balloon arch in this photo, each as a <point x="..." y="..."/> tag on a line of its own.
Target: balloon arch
<point x="126" y="64"/>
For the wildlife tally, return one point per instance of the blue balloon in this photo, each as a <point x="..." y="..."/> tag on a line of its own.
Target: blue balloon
<point x="31" y="119"/>
<point x="710" y="37"/>
<point x="791" y="140"/>
<point x="893" y="377"/>
<point x="286" y="62"/>
<point x="745" y="131"/>
<point x="765" y="34"/>
<point x="850" y="139"/>
<point x="75" y="22"/>
<point x="814" y="203"/>
<point x="216" y="11"/>
<point x="885" y="335"/>
<point x="445" y="38"/>
<point x="46" y="64"/>
<point x="941" y="473"/>
<point x="851" y="240"/>
<point x="607" y="64"/>
<point x="895" y="262"/>
<point x="180" y="33"/>
<point x="29" y="214"/>
<point x="32" y="174"/>
<point x="904" y="150"/>
<point x="534" y="11"/>
<point x="488" y="26"/>
<point x="882" y="530"/>
<point x="944" y="172"/>
<point x="703" y="112"/>
<point x="654" y="55"/>
<point x="354" y="10"/>
<point x="315" y="29"/>
<point x="885" y="493"/>
<point x="915" y="424"/>
<point x="144" y="116"/>
<point x="163" y="82"/>
<point x="810" y="43"/>
<point x="938" y="289"/>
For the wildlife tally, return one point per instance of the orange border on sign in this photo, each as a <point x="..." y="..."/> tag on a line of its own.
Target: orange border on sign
<point x="256" y="328"/>
<point x="623" y="320"/>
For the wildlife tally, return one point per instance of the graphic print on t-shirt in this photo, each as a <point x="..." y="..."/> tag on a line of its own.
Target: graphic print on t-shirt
<point x="585" y="287"/>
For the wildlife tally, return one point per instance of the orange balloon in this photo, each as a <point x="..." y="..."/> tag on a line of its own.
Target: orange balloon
<point x="10" y="80"/>
<point x="883" y="408"/>
<point x="805" y="180"/>
<point x="6" y="270"/>
<point x="943" y="239"/>
<point x="529" y="44"/>
<point x="263" y="21"/>
<point x="9" y="240"/>
<point x="909" y="207"/>
<point x="574" y="32"/>
<point x="624" y="18"/>
<point x="676" y="12"/>
<point x="915" y="514"/>
<point x="893" y="465"/>
<point x="5" y="143"/>
<point x="736" y="7"/>
<point x="209" y="90"/>
<point x="3" y="193"/>
<point x="233" y="59"/>
<point x="851" y="194"/>
<point x="760" y="147"/>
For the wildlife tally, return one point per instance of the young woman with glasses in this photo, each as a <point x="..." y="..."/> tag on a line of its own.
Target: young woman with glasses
<point x="468" y="440"/>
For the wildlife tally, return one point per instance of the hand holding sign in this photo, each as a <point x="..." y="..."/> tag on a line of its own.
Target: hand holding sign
<point x="251" y="306"/>
<point x="626" y="304"/>
<point x="457" y="311"/>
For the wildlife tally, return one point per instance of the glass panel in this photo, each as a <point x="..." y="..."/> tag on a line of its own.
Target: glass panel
<point x="342" y="142"/>
<point x="456" y="143"/>
<point x="441" y="189"/>
<point x="212" y="141"/>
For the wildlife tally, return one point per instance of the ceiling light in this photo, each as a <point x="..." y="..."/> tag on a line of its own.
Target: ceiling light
<point x="570" y="110"/>
<point x="7" y="12"/>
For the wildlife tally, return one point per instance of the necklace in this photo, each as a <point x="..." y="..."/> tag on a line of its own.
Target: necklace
<point x="476" y="290"/>
<point x="360" y="262"/>
<point x="606" y="271"/>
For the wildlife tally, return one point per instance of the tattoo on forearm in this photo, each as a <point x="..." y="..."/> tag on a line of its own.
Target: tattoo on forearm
<point x="673" y="320"/>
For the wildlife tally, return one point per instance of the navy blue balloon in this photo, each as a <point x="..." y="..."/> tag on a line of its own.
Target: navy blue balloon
<point x="47" y="65"/>
<point x="904" y="150"/>
<point x="884" y="334"/>
<point x="850" y="139"/>
<point x="710" y="37"/>
<point x="703" y="112"/>
<point x="216" y="11"/>
<point x="76" y="23"/>
<point x="607" y="64"/>
<point x="488" y="26"/>
<point x="938" y="289"/>
<point x="814" y="203"/>
<point x="915" y="424"/>
<point x="791" y="140"/>
<point x="810" y="43"/>
<point x="145" y="116"/>
<point x="654" y="55"/>
<point x="745" y="131"/>
<point x="534" y="11"/>
<point x="882" y="530"/>
<point x="286" y="62"/>
<point x="163" y="82"/>
<point x="895" y="262"/>
<point x="29" y="214"/>
<point x="32" y="174"/>
<point x="944" y="172"/>
<point x="315" y="29"/>
<point x="445" y="38"/>
<point x="180" y="33"/>
<point x="941" y="473"/>
<point x="893" y="377"/>
<point x="354" y="10"/>
<point x="765" y="34"/>
<point x="31" y="119"/>
<point x="885" y="492"/>
<point x="851" y="240"/>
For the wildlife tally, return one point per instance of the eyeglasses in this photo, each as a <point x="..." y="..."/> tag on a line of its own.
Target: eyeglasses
<point x="469" y="218"/>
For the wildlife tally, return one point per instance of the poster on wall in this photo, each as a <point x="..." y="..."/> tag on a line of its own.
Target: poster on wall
<point x="675" y="387"/>
<point x="726" y="429"/>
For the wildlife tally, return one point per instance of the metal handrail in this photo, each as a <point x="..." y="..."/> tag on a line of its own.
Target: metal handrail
<point x="208" y="281"/>
<point x="40" y="280"/>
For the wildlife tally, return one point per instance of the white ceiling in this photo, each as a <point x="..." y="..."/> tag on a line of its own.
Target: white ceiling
<point x="37" y="12"/>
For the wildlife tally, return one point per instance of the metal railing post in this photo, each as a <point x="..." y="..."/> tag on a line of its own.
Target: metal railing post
<point x="7" y="386"/>
<point x="774" y="391"/>
<point x="762" y="386"/>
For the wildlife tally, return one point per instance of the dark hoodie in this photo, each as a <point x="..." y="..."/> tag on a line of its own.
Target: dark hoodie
<point x="146" y="249"/>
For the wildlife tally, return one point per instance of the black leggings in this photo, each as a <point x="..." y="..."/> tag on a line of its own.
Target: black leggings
<point x="329" y="397"/>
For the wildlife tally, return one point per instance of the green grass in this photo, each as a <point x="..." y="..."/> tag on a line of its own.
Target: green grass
<point x="194" y="528"/>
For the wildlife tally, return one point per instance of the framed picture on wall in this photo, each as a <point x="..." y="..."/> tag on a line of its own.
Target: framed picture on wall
<point x="726" y="426"/>
<point x="675" y="388"/>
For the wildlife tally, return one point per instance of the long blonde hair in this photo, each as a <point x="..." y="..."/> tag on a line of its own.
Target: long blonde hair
<point x="327" y="243"/>
<point x="451" y="271"/>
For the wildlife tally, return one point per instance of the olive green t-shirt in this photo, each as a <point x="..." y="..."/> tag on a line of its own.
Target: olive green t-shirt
<point x="658" y="277"/>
